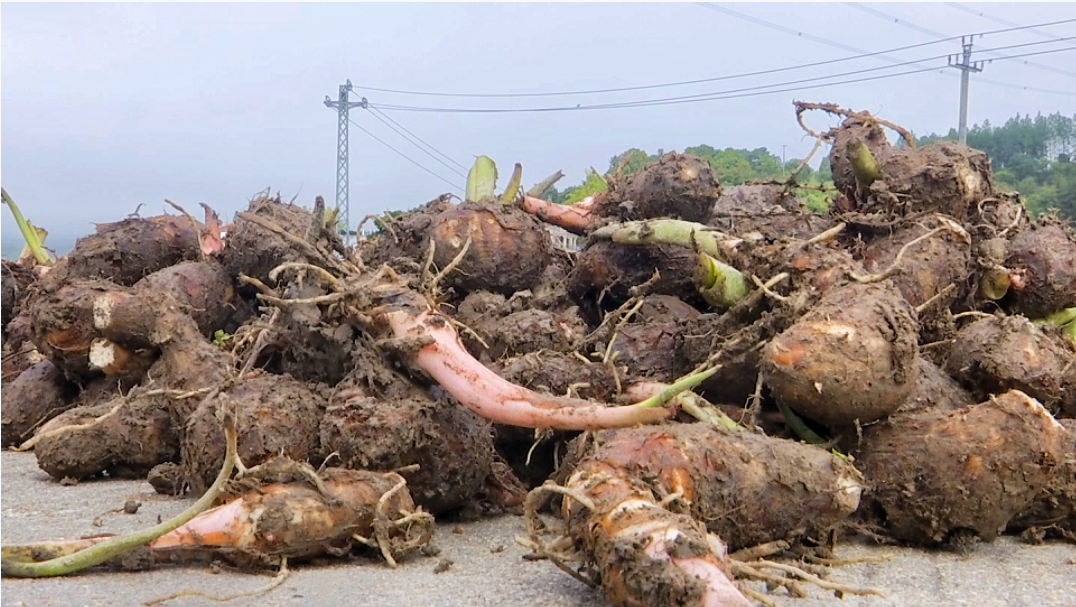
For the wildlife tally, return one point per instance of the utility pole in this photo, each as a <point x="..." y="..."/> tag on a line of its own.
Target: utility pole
<point x="966" y="66"/>
<point x="342" y="106"/>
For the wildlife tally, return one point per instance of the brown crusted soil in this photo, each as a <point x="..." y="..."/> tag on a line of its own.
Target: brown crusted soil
<point x="993" y="355"/>
<point x="37" y="395"/>
<point x="852" y="357"/>
<point x="452" y="446"/>
<point x="1047" y="256"/>
<point x="275" y="415"/>
<point x="404" y="245"/>
<point x="678" y="186"/>
<point x="748" y="489"/>
<point x="528" y="330"/>
<point x="770" y="211"/>
<point x="934" y="473"/>
<point x="509" y="249"/>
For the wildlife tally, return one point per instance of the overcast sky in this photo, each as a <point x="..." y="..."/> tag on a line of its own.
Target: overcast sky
<point x="108" y="106"/>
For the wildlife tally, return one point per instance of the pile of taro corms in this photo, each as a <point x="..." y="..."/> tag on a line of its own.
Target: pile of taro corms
<point x="710" y="394"/>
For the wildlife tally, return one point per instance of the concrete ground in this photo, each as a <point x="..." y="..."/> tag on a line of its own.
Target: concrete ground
<point x="486" y="567"/>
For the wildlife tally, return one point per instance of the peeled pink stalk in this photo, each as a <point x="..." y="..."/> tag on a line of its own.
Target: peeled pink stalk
<point x="492" y="397"/>
<point x="572" y="217"/>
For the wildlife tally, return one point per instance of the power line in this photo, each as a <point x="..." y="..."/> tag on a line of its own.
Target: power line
<point x="978" y="13"/>
<point x="446" y="157"/>
<point x="378" y="114"/>
<point x="826" y="41"/>
<point x="404" y="156"/>
<point x="908" y="24"/>
<point x="647" y="103"/>
<point x="713" y="95"/>
<point x="861" y="54"/>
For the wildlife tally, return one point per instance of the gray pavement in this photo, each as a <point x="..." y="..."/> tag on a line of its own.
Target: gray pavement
<point x="486" y="570"/>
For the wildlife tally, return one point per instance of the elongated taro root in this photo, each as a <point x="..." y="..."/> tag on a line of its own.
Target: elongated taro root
<point x="935" y="473"/>
<point x="993" y="355"/>
<point x="295" y="520"/>
<point x="852" y="357"/>
<point x="274" y="415"/>
<point x="439" y="353"/>
<point x="656" y="551"/>
<point x="286" y="516"/>
<point x="35" y="396"/>
<point x="1045" y="258"/>
<point x="747" y="488"/>
<point x="69" y="321"/>
<point x="134" y="433"/>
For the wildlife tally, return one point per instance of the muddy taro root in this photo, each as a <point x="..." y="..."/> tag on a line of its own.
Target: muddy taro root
<point x="1053" y="513"/>
<point x="509" y="248"/>
<point x="935" y="476"/>
<point x="37" y="395"/>
<point x="852" y="357"/>
<point x="729" y="478"/>
<point x="1002" y="353"/>
<point x="1045" y="258"/>
<point x="452" y="446"/>
<point x="274" y="414"/>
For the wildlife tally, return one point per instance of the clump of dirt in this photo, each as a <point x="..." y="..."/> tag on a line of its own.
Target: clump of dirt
<point x="1045" y="258"/>
<point x="929" y="268"/>
<point x="768" y="211"/>
<point x="528" y="330"/>
<point x="851" y="358"/>
<point x="274" y="415"/>
<point x="933" y="474"/>
<point x="993" y="355"/>
<point x="37" y="395"/>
